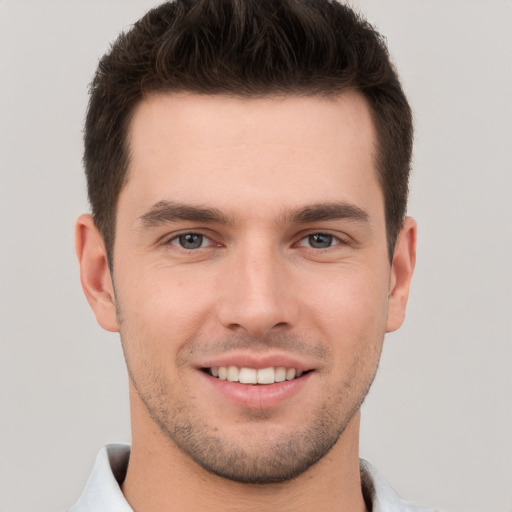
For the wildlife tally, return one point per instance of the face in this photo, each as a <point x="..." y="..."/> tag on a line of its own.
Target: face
<point x="251" y="276"/>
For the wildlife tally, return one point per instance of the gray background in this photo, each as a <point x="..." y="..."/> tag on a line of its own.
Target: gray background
<point x="438" y="422"/>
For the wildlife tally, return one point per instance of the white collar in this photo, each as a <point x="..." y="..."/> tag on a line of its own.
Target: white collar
<point x="103" y="492"/>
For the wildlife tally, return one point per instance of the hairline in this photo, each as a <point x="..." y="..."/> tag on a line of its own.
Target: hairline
<point x="330" y="95"/>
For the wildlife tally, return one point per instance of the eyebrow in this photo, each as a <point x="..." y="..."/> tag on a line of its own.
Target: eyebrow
<point x="166" y="211"/>
<point x="327" y="211"/>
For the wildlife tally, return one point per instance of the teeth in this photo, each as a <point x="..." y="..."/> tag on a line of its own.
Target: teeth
<point x="248" y="376"/>
<point x="290" y="373"/>
<point x="233" y="373"/>
<point x="254" y="376"/>
<point x="266" y="376"/>
<point x="280" y="375"/>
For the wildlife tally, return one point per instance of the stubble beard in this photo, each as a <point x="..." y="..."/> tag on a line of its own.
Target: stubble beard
<point x="276" y="458"/>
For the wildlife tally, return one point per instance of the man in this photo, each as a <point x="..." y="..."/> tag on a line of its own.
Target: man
<point x="247" y="165"/>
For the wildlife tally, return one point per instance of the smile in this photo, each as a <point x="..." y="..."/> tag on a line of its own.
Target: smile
<point x="245" y="375"/>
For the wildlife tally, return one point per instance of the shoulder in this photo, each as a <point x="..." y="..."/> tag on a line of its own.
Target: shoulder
<point x="103" y="489"/>
<point x="379" y="495"/>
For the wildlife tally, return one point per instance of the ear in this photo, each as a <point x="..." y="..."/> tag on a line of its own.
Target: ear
<point x="402" y="267"/>
<point x="95" y="273"/>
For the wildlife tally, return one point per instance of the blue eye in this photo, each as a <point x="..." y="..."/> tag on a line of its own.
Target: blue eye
<point x="190" y="241"/>
<point x="320" y="240"/>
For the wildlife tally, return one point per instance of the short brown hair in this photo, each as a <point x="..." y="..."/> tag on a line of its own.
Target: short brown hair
<point x="244" y="48"/>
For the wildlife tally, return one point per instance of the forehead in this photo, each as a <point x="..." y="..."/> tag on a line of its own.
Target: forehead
<point x="277" y="151"/>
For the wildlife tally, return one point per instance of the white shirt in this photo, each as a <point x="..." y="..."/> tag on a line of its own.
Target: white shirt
<point x="103" y="492"/>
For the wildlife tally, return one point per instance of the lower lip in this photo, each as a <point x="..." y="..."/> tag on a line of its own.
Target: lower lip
<point x="257" y="396"/>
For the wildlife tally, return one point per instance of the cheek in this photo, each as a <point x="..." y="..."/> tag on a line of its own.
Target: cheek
<point x="161" y="311"/>
<point x="353" y="322"/>
<point x="352" y="309"/>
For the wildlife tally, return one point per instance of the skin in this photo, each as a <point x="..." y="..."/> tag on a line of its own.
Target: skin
<point x="243" y="175"/>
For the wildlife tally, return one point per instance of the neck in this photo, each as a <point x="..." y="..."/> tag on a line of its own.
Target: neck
<point x="159" y="475"/>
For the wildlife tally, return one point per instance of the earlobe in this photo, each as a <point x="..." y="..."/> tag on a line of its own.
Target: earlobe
<point x="402" y="268"/>
<point x="95" y="273"/>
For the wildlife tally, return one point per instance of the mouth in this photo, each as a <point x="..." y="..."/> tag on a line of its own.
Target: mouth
<point x="255" y="376"/>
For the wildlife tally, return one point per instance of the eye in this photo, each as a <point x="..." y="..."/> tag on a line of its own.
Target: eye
<point x="319" y="241"/>
<point x="190" y="241"/>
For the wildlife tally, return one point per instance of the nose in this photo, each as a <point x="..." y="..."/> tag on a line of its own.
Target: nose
<point x="257" y="293"/>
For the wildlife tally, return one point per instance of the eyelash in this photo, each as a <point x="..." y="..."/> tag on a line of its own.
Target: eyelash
<point x="335" y="241"/>
<point x="177" y="237"/>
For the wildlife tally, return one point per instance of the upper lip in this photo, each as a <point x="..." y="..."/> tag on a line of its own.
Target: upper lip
<point x="257" y="361"/>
